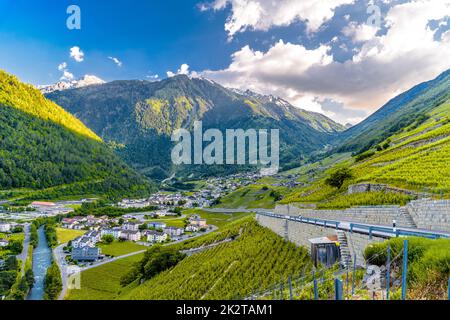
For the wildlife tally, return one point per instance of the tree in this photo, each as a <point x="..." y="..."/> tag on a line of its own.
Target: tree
<point x="29" y="275"/>
<point x="338" y="177"/>
<point x="108" y="239"/>
<point x="52" y="282"/>
<point x="15" y="247"/>
<point x="11" y="263"/>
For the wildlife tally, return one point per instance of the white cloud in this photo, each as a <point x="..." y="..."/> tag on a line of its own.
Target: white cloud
<point x="62" y="66"/>
<point x="77" y="54"/>
<point x="116" y="61"/>
<point x="184" y="69"/>
<point x="67" y="76"/>
<point x="360" y="32"/>
<point x="383" y="66"/>
<point x="265" y="14"/>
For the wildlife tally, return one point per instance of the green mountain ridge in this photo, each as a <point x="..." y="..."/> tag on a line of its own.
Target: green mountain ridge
<point x="398" y="113"/>
<point x="51" y="153"/>
<point x="139" y="117"/>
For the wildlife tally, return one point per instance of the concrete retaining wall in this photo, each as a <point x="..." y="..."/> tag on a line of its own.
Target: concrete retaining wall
<point x="300" y="233"/>
<point x="431" y="215"/>
<point x="382" y="215"/>
<point x="423" y="214"/>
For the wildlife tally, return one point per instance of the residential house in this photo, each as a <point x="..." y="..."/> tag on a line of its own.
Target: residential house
<point x="131" y="226"/>
<point x="3" y="243"/>
<point x="199" y="222"/>
<point x="85" y="254"/>
<point x="156" y="225"/>
<point x="115" y="232"/>
<point x="130" y="235"/>
<point x="155" y="236"/>
<point x="192" y="228"/>
<point x="5" y="227"/>
<point x="173" y="231"/>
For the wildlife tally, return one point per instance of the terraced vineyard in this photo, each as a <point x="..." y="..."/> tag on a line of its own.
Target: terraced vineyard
<point x="256" y="259"/>
<point x="415" y="158"/>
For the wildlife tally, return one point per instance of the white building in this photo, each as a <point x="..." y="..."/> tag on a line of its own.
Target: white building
<point x="130" y="235"/>
<point x="154" y="236"/>
<point x="173" y="231"/>
<point x="115" y="232"/>
<point x="131" y="226"/>
<point x="5" y="227"/>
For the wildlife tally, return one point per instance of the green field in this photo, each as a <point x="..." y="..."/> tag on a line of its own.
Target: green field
<point x="118" y="248"/>
<point x="103" y="282"/>
<point x="66" y="235"/>
<point x="217" y="219"/>
<point x="255" y="196"/>
<point x="173" y="222"/>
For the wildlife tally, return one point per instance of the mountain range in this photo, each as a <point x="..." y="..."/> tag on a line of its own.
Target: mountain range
<point x="138" y="117"/>
<point x="87" y="80"/>
<point x="105" y="138"/>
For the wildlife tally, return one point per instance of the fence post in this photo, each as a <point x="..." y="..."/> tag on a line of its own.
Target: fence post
<point x="282" y="291"/>
<point x="449" y="288"/>
<point x="338" y="289"/>
<point x="316" y="291"/>
<point x="405" y="268"/>
<point x="354" y="274"/>
<point x="388" y="271"/>
<point x="290" y="288"/>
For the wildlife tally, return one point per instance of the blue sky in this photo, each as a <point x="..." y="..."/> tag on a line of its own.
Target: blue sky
<point x="320" y="55"/>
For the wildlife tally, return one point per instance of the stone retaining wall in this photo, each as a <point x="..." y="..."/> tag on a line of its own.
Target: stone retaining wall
<point x="425" y="214"/>
<point x="431" y="214"/>
<point x="373" y="187"/>
<point x="300" y="233"/>
<point x="380" y="215"/>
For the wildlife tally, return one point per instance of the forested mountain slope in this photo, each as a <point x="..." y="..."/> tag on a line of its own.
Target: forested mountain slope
<point x="138" y="117"/>
<point x="47" y="150"/>
<point x="398" y="113"/>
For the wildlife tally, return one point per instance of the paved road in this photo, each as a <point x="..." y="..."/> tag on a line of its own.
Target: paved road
<point x="26" y="242"/>
<point x="59" y="256"/>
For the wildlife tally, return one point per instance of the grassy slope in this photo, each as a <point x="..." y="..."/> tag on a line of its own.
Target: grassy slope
<point x="415" y="159"/>
<point x="249" y="197"/>
<point x="66" y="235"/>
<point x="217" y="219"/>
<point x="117" y="248"/>
<point x="429" y="265"/>
<point x="103" y="282"/>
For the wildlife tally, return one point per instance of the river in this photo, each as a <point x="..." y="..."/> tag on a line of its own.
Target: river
<point x="42" y="259"/>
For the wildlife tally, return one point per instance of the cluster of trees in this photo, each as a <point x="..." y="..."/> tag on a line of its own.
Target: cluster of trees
<point x="12" y="284"/>
<point x="156" y="260"/>
<point x="338" y="177"/>
<point x="53" y="282"/>
<point x="50" y="234"/>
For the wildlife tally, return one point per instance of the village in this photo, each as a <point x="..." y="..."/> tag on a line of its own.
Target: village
<point x="211" y="191"/>
<point x="126" y="228"/>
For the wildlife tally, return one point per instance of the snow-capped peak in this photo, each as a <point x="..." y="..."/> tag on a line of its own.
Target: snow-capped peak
<point x="87" y="80"/>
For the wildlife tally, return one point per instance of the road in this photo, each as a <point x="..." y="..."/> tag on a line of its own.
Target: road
<point x="26" y="242"/>
<point x="60" y="258"/>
